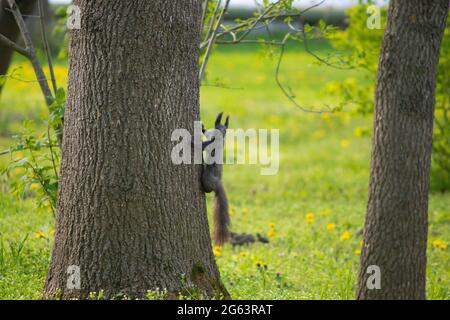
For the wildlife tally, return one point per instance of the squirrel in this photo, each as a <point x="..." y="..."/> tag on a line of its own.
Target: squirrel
<point x="211" y="180"/>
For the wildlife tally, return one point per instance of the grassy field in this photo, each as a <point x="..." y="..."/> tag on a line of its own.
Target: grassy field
<point x="312" y="210"/>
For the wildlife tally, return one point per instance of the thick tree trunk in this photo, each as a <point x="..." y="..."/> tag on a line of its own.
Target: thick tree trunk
<point x="395" y="234"/>
<point x="8" y="28"/>
<point x="128" y="218"/>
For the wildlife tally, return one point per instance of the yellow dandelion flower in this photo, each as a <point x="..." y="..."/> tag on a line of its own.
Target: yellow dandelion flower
<point x="245" y="211"/>
<point x="40" y="235"/>
<point x="345" y="236"/>
<point x="350" y="82"/>
<point x="357" y="252"/>
<point x="439" y="244"/>
<point x="319" y="134"/>
<point x="345" y="143"/>
<point x="331" y="226"/>
<point x="217" y="251"/>
<point x="34" y="186"/>
<point x="275" y="120"/>
<point x="361" y="243"/>
<point x="358" y="132"/>
<point x="309" y="217"/>
<point x="19" y="171"/>
<point x="271" y="233"/>
<point x="332" y="87"/>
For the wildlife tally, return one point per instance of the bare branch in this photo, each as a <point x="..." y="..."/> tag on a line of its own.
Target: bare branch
<point x="212" y="40"/>
<point x="309" y="51"/>
<point x="42" y="20"/>
<point x="213" y="19"/>
<point x="40" y="75"/>
<point x="32" y="16"/>
<point x="265" y="42"/>
<point x="281" y="86"/>
<point x="12" y="150"/>
<point x="255" y="23"/>
<point x="205" y="12"/>
<point x="14" y="46"/>
<point x="5" y="152"/>
<point x="265" y="17"/>
<point x="30" y="48"/>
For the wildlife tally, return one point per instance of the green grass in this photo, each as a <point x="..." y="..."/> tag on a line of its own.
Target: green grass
<point x="324" y="170"/>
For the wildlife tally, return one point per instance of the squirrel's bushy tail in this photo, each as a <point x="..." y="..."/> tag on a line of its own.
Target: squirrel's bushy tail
<point x="221" y="216"/>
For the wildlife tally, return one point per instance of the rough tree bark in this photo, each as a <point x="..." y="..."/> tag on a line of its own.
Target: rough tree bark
<point x="127" y="217"/>
<point x="8" y="28"/>
<point x="395" y="234"/>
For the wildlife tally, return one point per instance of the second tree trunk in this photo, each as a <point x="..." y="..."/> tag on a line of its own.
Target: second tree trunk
<point x="395" y="233"/>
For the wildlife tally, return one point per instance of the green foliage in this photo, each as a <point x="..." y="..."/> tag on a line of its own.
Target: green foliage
<point x="441" y="138"/>
<point x="60" y="34"/>
<point x="362" y="47"/>
<point x="57" y="109"/>
<point x="38" y="169"/>
<point x="157" y="295"/>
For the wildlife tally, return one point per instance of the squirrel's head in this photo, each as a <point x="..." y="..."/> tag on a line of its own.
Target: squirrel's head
<point x="222" y="127"/>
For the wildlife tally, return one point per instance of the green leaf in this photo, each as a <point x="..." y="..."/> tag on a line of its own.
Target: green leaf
<point x="61" y="95"/>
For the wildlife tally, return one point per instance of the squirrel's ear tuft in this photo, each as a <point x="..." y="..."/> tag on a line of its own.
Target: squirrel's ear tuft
<point x="219" y="119"/>
<point x="227" y="122"/>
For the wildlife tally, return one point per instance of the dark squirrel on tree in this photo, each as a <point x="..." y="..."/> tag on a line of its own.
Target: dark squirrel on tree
<point x="212" y="182"/>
